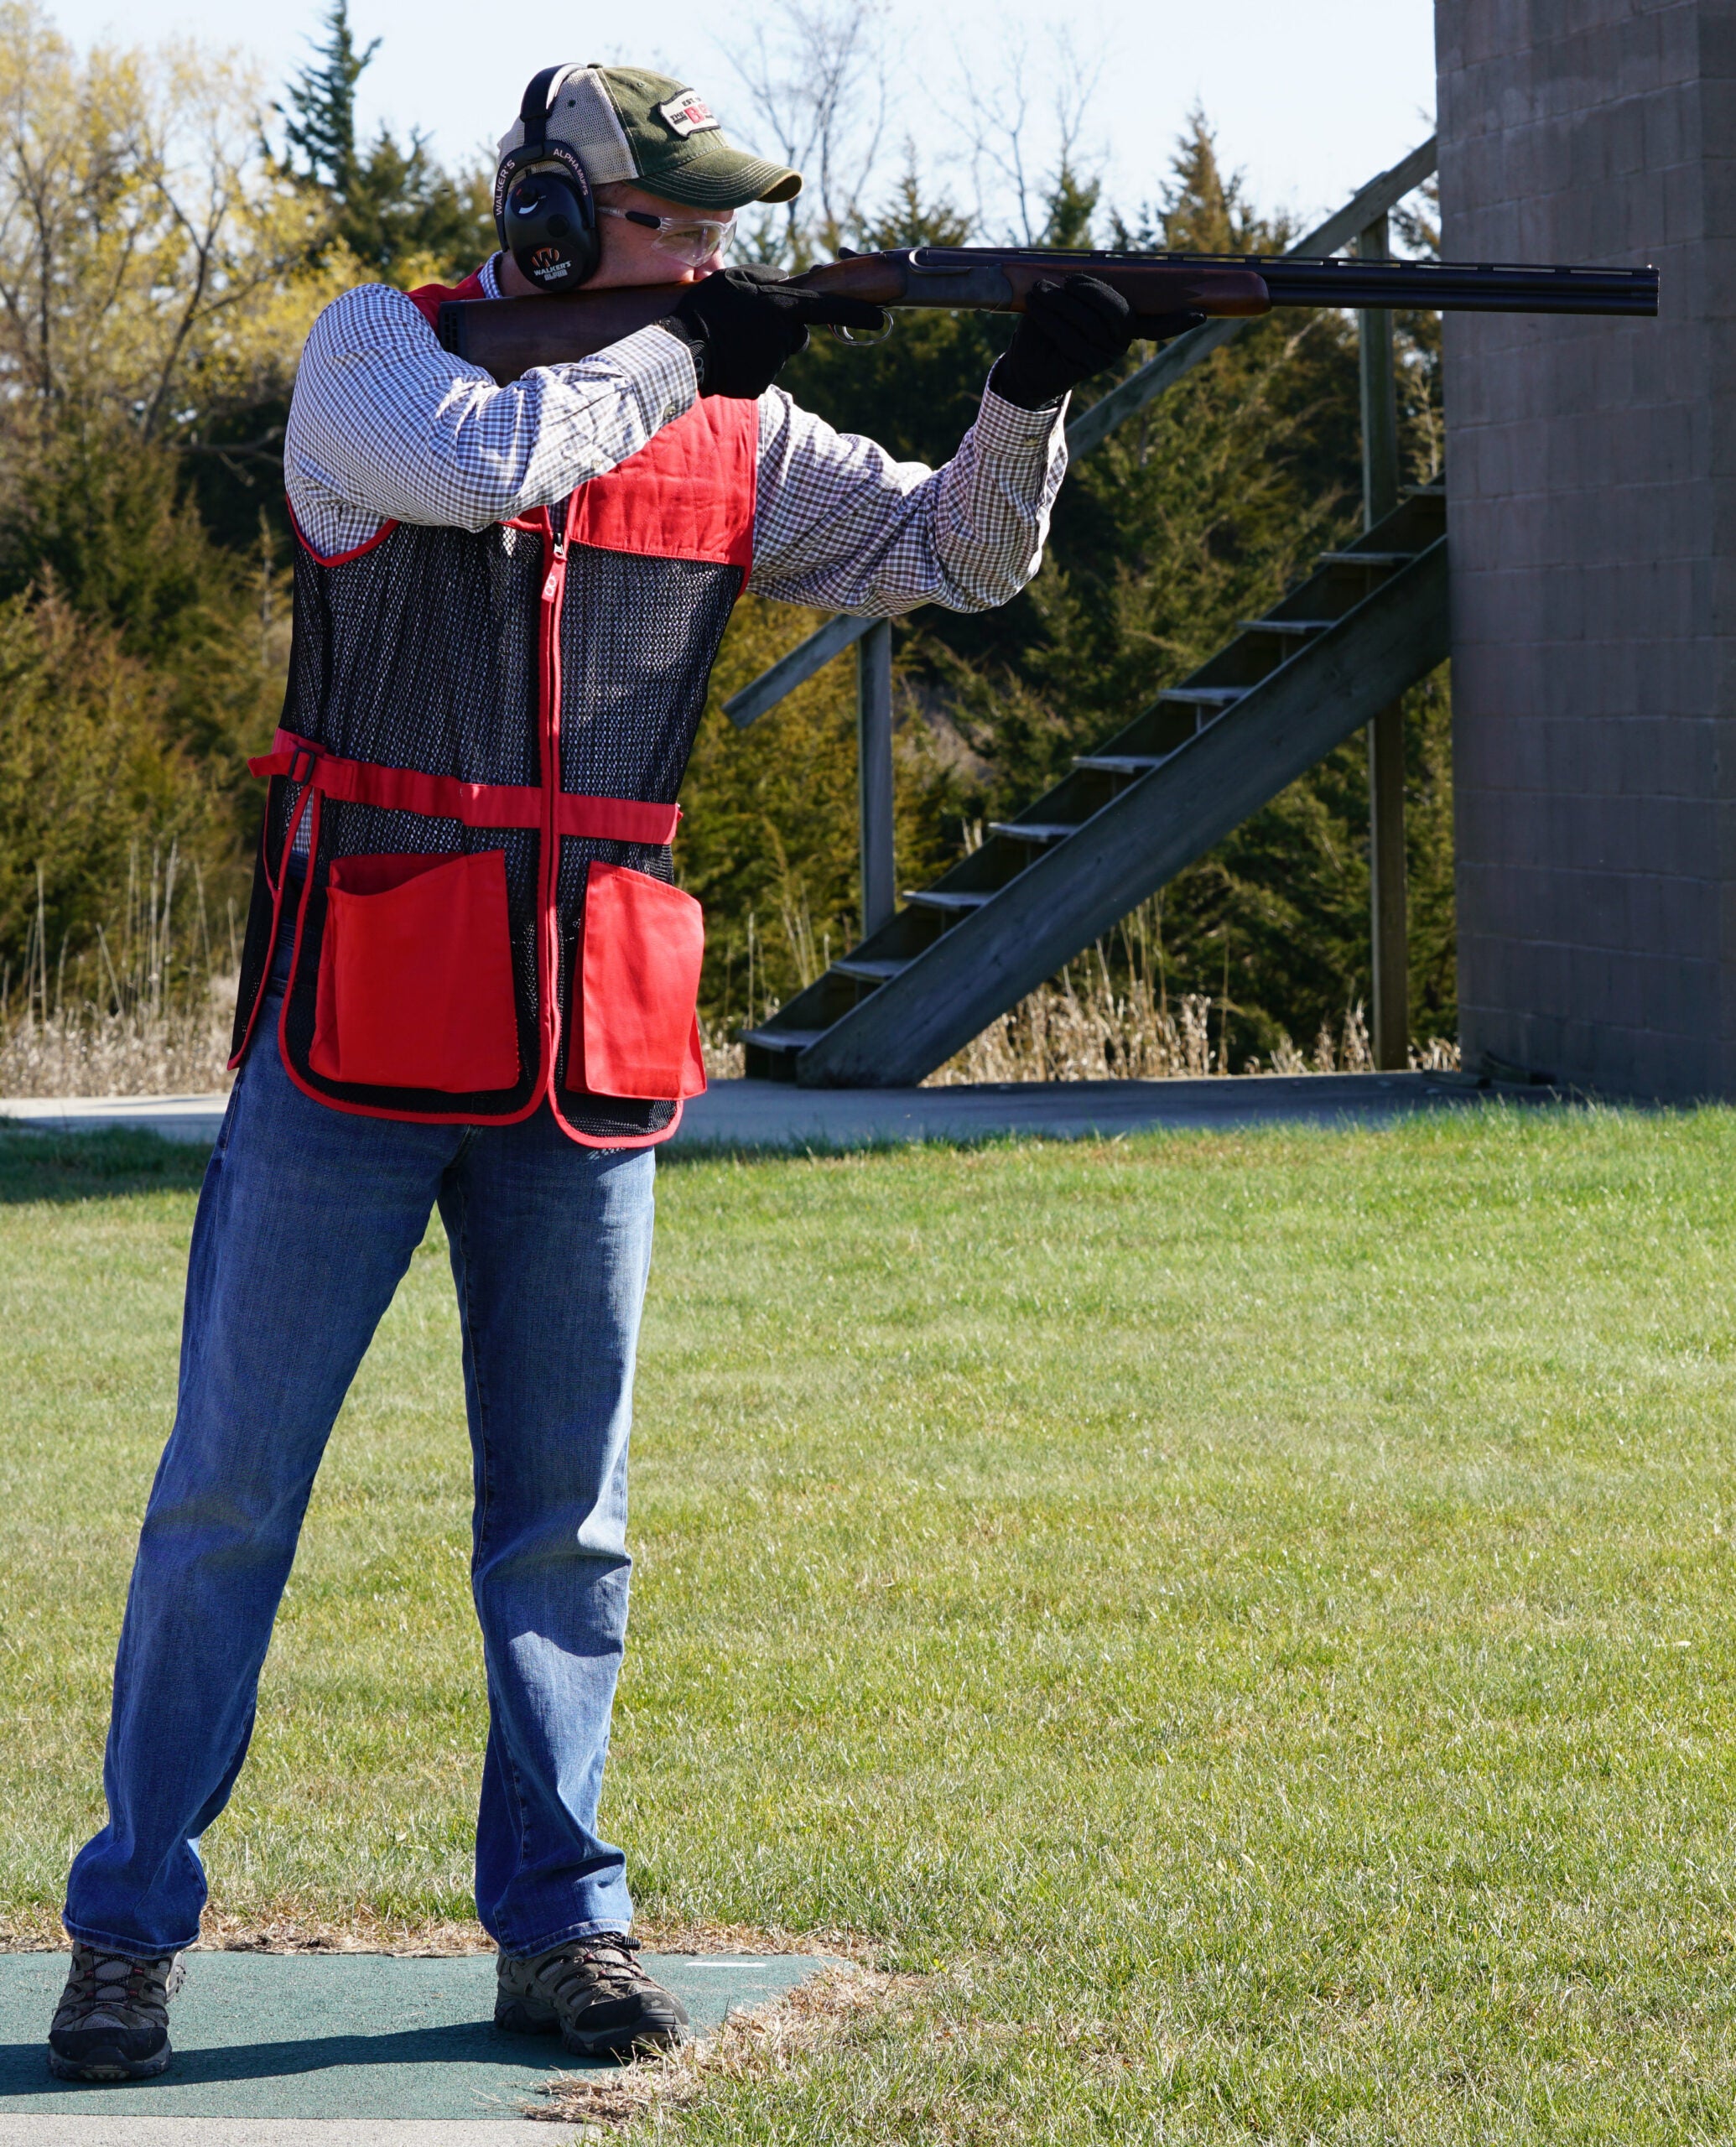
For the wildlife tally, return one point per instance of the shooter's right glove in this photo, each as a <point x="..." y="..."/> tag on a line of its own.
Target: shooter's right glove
<point x="743" y="326"/>
<point x="1067" y="332"/>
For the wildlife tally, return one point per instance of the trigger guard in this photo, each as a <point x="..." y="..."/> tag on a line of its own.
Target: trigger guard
<point x="860" y="341"/>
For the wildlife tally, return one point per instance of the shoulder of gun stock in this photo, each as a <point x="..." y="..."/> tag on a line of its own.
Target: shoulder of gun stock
<point x="506" y="337"/>
<point x="451" y="326"/>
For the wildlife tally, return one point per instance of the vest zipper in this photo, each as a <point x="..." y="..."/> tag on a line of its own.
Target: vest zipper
<point x="557" y="572"/>
<point x="553" y="592"/>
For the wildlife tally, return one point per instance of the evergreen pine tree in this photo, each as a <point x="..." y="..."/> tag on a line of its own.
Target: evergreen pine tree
<point x="395" y="206"/>
<point x="319" y="114"/>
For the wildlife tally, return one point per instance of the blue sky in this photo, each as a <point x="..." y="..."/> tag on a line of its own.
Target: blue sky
<point x="1310" y="98"/>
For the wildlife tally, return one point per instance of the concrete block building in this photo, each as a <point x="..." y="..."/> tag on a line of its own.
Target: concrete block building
<point x="1591" y="469"/>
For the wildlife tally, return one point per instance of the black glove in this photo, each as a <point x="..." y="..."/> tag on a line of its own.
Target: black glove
<point x="1067" y="332"/>
<point x="744" y="324"/>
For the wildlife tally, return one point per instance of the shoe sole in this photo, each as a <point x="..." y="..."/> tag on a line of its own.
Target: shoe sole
<point x="646" y="2043"/>
<point x="117" y="2070"/>
<point x="514" y="2018"/>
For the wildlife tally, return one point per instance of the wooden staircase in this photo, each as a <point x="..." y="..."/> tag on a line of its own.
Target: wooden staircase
<point x="1207" y="752"/>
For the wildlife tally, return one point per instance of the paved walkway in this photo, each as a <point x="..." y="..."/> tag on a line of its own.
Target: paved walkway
<point x="775" y="1114"/>
<point x="338" y="2048"/>
<point x="289" y="2132"/>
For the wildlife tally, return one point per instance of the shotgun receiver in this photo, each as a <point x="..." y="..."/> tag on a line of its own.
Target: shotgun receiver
<point x="1169" y="291"/>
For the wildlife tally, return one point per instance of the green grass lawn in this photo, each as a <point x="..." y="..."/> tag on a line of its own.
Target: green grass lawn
<point x="1247" y="1618"/>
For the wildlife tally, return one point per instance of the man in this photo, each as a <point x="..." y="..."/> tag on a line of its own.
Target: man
<point x="469" y="981"/>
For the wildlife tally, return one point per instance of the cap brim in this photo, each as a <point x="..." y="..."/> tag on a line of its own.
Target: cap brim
<point x="723" y="179"/>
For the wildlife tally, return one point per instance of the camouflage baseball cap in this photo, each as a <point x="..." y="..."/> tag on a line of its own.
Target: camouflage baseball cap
<point x="626" y="123"/>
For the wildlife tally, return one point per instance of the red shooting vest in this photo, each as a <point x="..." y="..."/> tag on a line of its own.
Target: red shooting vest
<point x="483" y="737"/>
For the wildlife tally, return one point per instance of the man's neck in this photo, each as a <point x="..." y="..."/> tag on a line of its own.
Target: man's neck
<point x="513" y="282"/>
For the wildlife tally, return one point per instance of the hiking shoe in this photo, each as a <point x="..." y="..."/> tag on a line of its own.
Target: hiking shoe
<point x="594" y="1994"/>
<point x="113" y="2018"/>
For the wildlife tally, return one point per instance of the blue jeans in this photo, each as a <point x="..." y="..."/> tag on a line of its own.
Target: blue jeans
<point x="306" y="1222"/>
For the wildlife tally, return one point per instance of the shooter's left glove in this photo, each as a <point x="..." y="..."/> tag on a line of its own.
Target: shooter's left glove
<point x="744" y="324"/>
<point x="1067" y="332"/>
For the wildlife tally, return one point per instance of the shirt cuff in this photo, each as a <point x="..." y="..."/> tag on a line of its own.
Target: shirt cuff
<point x="1010" y="424"/>
<point x="1029" y="446"/>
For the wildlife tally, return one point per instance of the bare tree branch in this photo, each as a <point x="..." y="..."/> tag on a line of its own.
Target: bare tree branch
<point x="820" y="81"/>
<point x="1009" y="171"/>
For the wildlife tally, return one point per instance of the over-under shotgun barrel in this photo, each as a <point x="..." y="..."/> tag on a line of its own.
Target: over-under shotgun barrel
<point x="507" y="336"/>
<point x="1406" y="286"/>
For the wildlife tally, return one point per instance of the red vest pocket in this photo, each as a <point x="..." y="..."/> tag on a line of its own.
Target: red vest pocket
<point x="416" y="975"/>
<point x="636" y="1031"/>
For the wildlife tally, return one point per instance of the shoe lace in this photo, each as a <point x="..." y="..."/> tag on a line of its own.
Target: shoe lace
<point x="605" y="1957"/>
<point x="121" y="1983"/>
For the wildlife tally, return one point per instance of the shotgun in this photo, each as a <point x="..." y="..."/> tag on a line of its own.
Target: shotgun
<point x="1169" y="291"/>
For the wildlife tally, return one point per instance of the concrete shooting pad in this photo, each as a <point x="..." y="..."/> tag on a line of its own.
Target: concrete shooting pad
<point x="279" y="2046"/>
<point x="775" y="1115"/>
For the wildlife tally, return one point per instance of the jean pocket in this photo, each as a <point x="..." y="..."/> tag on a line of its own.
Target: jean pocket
<point x="636" y="1032"/>
<point x="415" y="987"/>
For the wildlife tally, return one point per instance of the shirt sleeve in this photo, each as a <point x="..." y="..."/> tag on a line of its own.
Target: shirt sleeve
<point x="840" y="525"/>
<point x="385" y="425"/>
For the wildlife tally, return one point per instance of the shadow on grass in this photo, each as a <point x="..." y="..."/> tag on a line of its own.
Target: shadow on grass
<point x="70" y="1166"/>
<point x="820" y="1148"/>
<point x="36" y="1166"/>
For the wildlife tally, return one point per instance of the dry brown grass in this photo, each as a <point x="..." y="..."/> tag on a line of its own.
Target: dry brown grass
<point x="755" y="2043"/>
<point x="92" y="1051"/>
<point x="293" y="1928"/>
<point x="290" y="1929"/>
<point x="144" y="1009"/>
<point x="1085" y="1030"/>
<point x="725" y="1060"/>
<point x="1092" y="1026"/>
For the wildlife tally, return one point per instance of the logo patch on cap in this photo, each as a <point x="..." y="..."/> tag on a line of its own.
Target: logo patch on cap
<point x="689" y="113"/>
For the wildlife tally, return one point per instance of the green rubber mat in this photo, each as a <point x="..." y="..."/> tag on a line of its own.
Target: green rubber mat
<point x="339" y="2034"/>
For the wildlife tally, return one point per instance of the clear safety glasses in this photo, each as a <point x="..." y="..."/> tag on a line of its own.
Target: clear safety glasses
<point x="692" y="239"/>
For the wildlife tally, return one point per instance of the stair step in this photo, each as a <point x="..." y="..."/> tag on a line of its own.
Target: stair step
<point x="1285" y="625"/>
<point x="871" y="972"/>
<point x="1367" y="558"/>
<point x="1203" y="696"/>
<point x="780" y="1039"/>
<point x="1121" y="763"/>
<point x="1036" y="830"/>
<point x="942" y="898"/>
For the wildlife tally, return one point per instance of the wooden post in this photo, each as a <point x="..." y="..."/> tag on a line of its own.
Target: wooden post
<point x="874" y="774"/>
<point x="1389" y="948"/>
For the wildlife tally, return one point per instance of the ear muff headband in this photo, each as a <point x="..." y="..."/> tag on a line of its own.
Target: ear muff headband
<point x="546" y="219"/>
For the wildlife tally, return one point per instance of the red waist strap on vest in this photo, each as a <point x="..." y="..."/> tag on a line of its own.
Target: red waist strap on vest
<point x="476" y="804"/>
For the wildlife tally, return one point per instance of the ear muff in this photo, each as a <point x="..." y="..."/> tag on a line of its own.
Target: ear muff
<point x="543" y="206"/>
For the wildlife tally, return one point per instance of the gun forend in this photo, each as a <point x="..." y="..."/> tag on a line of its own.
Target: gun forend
<point x="984" y="279"/>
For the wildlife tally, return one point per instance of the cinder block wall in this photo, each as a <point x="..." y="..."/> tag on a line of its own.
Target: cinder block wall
<point x="1592" y="532"/>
